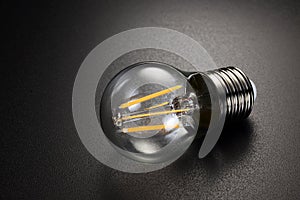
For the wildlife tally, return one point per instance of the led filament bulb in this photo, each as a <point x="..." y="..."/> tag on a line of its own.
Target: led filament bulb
<point x="151" y="112"/>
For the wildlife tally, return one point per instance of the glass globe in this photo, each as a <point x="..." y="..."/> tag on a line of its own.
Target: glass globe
<point x="149" y="112"/>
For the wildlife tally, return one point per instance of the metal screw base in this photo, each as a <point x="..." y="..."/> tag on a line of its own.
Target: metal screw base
<point x="240" y="92"/>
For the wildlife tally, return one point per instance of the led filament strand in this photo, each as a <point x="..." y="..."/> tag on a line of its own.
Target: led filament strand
<point x="149" y="128"/>
<point x="150" y="96"/>
<point x="154" y="114"/>
<point x="157" y="106"/>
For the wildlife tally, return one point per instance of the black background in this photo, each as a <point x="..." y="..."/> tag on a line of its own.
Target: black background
<point x="43" y="46"/>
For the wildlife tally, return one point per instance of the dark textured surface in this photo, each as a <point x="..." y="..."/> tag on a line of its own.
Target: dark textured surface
<point x="44" y="45"/>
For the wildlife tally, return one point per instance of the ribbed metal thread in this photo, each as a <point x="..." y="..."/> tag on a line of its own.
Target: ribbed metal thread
<point x="239" y="92"/>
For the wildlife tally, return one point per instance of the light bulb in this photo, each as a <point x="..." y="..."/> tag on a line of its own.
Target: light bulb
<point x="151" y="112"/>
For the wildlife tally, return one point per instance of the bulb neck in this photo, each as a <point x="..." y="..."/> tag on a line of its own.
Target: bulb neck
<point x="240" y="91"/>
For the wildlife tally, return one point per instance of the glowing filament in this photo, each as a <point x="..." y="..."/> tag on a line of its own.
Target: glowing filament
<point x="149" y="128"/>
<point x="150" y="96"/>
<point x="153" y="114"/>
<point x="156" y="106"/>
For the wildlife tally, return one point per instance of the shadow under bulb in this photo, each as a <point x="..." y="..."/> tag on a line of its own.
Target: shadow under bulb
<point x="151" y="112"/>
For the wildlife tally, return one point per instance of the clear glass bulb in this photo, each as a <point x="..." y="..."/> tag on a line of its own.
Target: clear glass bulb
<point x="150" y="112"/>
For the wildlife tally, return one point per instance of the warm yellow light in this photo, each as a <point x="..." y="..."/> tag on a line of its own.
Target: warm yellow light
<point x="156" y="106"/>
<point x="150" y="96"/>
<point x="153" y="114"/>
<point x="148" y="128"/>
